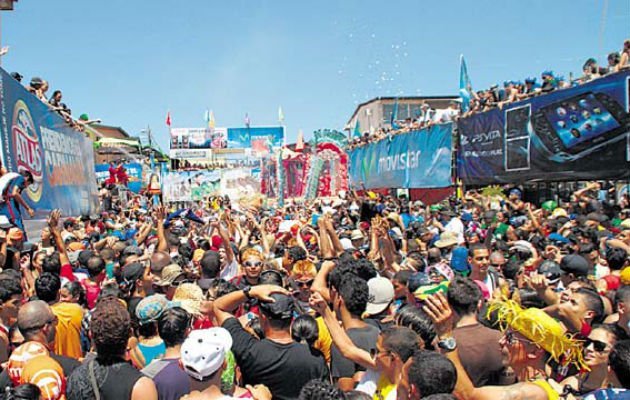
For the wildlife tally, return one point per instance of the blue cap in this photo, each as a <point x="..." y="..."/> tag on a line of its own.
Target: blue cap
<point x="466" y="217"/>
<point x="556" y="237"/>
<point x="516" y="192"/>
<point x="459" y="260"/>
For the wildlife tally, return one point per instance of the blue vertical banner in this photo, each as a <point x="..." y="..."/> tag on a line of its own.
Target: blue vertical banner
<point x="35" y="138"/>
<point x="465" y="86"/>
<point x="417" y="159"/>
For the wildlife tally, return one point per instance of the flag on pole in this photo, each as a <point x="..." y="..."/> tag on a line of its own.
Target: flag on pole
<point x="208" y="118"/>
<point x="299" y="144"/>
<point x="247" y="121"/>
<point x="168" y="118"/>
<point x="395" y="116"/>
<point x="357" y="129"/>
<point x="280" y="115"/>
<point x="465" y="87"/>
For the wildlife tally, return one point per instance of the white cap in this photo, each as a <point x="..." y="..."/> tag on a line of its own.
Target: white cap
<point x="381" y="295"/>
<point x="346" y="244"/>
<point x="203" y="352"/>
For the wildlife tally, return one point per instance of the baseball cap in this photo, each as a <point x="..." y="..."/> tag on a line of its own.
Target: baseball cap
<point x="574" y="264"/>
<point x="132" y="272"/>
<point x="203" y="352"/>
<point x="150" y="308"/>
<point x="459" y="260"/>
<point x="346" y="244"/>
<point x="169" y="274"/>
<point x="551" y="270"/>
<point x="381" y="295"/>
<point x="281" y="308"/>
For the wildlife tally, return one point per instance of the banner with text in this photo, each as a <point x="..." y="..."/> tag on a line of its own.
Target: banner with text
<point x="581" y="133"/>
<point x="260" y="139"/>
<point x="134" y="172"/>
<point x="418" y="159"/>
<point x="190" y="185"/>
<point x="200" y="138"/>
<point x="35" y="138"/>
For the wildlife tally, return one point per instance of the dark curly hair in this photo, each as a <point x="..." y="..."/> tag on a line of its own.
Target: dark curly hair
<point x="320" y="390"/>
<point x="355" y="294"/>
<point x="110" y="326"/>
<point x="416" y="319"/>
<point x="25" y="391"/>
<point x="296" y="253"/>
<point x="47" y="287"/>
<point x="362" y="268"/>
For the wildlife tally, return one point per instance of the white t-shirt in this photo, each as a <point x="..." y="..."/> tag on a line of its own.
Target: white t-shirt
<point x="229" y="271"/>
<point x="368" y="384"/>
<point x="455" y="225"/>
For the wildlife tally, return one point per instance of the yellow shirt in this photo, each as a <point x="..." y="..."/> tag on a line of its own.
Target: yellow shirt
<point x="324" y="341"/>
<point x="68" y="332"/>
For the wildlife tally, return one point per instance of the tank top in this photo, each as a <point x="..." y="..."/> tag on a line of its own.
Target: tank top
<point x="121" y="377"/>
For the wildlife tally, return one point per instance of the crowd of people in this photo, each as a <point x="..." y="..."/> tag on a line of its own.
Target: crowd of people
<point x="485" y="100"/>
<point x="425" y="119"/>
<point x="496" y="96"/>
<point x="39" y="87"/>
<point x="358" y="297"/>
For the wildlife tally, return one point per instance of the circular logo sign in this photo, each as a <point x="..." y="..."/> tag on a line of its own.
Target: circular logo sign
<point x="26" y="149"/>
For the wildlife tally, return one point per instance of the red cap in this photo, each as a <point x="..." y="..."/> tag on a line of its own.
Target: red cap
<point x="216" y="244"/>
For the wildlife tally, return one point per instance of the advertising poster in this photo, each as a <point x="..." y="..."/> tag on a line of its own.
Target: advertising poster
<point x="418" y="159"/>
<point x="579" y="133"/>
<point x="190" y="185"/>
<point x="36" y="139"/>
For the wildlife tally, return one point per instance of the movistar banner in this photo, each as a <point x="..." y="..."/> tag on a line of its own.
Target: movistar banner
<point x="418" y="159"/>
<point x="36" y="138"/>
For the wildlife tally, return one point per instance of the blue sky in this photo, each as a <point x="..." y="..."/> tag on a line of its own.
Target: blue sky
<point x="128" y="62"/>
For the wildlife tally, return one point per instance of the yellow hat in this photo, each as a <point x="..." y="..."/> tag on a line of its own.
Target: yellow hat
<point x="537" y="326"/>
<point x="559" y="212"/>
<point x="625" y="276"/>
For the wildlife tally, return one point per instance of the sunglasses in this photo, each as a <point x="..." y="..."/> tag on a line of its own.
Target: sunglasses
<point x="307" y="283"/>
<point x="598" y="345"/>
<point x="251" y="264"/>
<point x="374" y="353"/>
<point x="512" y="339"/>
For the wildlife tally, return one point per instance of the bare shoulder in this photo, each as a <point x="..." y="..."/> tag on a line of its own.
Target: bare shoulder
<point x="524" y="391"/>
<point x="519" y="391"/>
<point x="144" y="389"/>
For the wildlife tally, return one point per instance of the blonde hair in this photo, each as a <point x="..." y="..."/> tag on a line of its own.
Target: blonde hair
<point x="304" y="268"/>
<point x="251" y="252"/>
